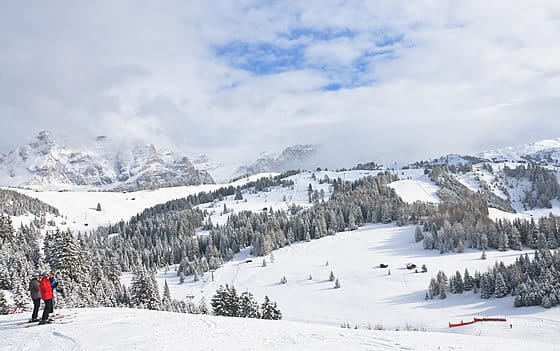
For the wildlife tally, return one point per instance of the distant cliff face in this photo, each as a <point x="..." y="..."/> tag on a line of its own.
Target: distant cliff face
<point x="47" y="163"/>
<point x="293" y="157"/>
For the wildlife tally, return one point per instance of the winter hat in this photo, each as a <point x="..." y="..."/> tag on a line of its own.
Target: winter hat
<point x="45" y="273"/>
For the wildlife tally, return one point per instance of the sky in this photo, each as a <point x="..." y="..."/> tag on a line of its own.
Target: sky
<point x="365" y="80"/>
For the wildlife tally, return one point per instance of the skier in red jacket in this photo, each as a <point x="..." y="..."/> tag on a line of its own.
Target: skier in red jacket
<point x="47" y="296"/>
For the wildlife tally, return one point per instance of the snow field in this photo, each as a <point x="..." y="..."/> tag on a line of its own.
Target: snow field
<point x="368" y="295"/>
<point x="129" y="329"/>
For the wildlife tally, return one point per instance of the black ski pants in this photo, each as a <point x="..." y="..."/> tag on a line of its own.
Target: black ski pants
<point x="36" y="304"/>
<point x="47" y="310"/>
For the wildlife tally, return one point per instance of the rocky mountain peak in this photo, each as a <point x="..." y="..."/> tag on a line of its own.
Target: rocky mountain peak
<point x="47" y="163"/>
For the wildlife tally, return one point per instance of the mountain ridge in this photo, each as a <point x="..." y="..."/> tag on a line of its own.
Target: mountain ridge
<point x="49" y="163"/>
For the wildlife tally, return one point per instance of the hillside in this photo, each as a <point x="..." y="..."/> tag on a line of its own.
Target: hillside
<point x="390" y="298"/>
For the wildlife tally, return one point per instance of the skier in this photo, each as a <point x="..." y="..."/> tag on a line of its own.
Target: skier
<point x="34" y="284"/>
<point x="54" y="287"/>
<point x="47" y="296"/>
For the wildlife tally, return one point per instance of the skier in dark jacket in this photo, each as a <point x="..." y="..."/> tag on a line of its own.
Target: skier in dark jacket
<point x="47" y="296"/>
<point x="35" y="296"/>
<point x="54" y="286"/>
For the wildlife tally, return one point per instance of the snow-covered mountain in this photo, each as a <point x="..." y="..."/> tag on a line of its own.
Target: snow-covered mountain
<point x="293" y="157"/>
<point x="545" y="151"/>
<point x="50" y="163"/>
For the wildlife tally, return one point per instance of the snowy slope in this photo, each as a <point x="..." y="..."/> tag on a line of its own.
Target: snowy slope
<point x="79" y="207"/>
<point x="368" y="295"/>
<point x="537" y="151"/>
<point x="419" y="188"/>
<point x="127" y="329"/>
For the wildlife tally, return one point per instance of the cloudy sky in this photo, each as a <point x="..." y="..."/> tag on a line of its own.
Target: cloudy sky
<point x="368" y="80"/>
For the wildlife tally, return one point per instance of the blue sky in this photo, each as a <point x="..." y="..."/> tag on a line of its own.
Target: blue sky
<point x="367" y="80"/>
<point x="272" y="57"/>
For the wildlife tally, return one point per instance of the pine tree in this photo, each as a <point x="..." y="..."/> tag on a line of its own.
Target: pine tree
<point x="483" y="256"/>
<point x="98" y="207"/>
<point x="467" y="281"/>
<point x="337" y="284"/>
<point x="418" y="235"/>
<point x="442" y="285"/>
<point x="202" y="307"/>
<point x="486" y="286"/>
<point x="270" y="310"/>
<point x="166" y="298"/>
<point x="144" y="291"/>
<point x="20" y="297"/>
<point x="501" y="288"/>
<point x="3" y="303"/>
<point x="459" y="283"/>
<point x="219" y="302"/>
<point x="331" y="276"/>
<point x="248" y="307"/>
<point x="232" y="301"/>
<point x="238" y="195"/>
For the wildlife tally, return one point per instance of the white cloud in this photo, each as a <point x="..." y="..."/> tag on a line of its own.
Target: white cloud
<point x="458" y="76"/>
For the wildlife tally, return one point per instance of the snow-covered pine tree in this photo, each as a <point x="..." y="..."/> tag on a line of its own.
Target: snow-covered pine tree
<point x="219" y="302"/>
<point x="443" y="284"/>
<point x="459" y="283"/>
<point x="337" y="284"/>
<point x="467" y="281"/>
<point x="232" y="301"/>
<point x="269" y="310"/>
<point x="3" y="303"/>
<point x="486" y="286"/>
<point x="248" y="307"/>
<point x="331" y="276"/>
<point x="166" y="298"/>
<point x="21" y="298"/>
<point x="501" y="288"/>
<point x="72" y="264"/>
<point x="418" y="235"/>
<point x="202" y="307"/>
<point x="143" y="291"/>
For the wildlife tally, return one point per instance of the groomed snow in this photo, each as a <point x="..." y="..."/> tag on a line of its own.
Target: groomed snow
<point x="421" y="188"/>
<point x="128" y="329"/>
<point x="368" y="295"/>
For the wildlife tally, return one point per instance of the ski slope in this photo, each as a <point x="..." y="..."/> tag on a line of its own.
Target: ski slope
<point x="128" y="329"/>
<point x="368" y="294"/>
<point x="420" y="188"/>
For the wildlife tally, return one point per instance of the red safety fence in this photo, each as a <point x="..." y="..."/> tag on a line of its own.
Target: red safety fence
<point x="475" y="320"/>
<point x="452" y="325"/>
